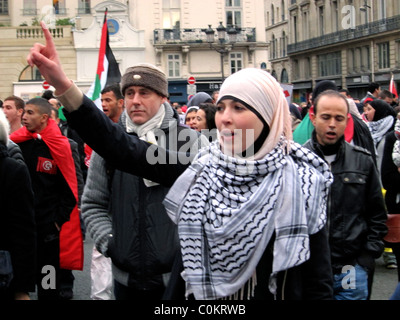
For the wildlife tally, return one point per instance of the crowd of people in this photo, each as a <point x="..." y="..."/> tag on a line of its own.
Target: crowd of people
<point x="234" y="195"/>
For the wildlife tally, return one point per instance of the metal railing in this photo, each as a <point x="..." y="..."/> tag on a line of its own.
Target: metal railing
<point x="86" y="10"/>
<point x="36" y="32"/>
<point x="61" y="11"/>
<point x="29" y="11"/>
<point x="197" y="35"/>
<point x="365" y="30"/>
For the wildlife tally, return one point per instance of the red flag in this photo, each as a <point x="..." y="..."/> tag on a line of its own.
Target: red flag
<point x="392" y="87"/>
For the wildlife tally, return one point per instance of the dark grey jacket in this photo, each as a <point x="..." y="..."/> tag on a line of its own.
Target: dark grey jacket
<point x="127" y="219"/>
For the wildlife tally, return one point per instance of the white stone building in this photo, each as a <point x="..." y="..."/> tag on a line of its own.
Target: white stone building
<point x="351" y="42"/>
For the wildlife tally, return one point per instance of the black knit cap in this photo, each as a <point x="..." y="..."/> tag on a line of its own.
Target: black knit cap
<point x="321" y="87"/>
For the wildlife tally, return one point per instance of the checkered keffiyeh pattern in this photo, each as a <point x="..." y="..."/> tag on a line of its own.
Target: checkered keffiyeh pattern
<point x="227" y="210"/>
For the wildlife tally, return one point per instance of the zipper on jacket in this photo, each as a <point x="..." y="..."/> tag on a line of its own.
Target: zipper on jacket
<point x="283" y="285"/>
<point x="142" y="230"/>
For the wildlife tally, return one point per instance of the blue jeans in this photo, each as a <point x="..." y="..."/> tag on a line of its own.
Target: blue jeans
<point x="396" y="293"/>
<point x="351" y="284"/>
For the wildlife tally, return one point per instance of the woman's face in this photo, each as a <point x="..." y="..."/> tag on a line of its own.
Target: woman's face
<point x="238" y="126"/>
<point x="191" y="118"/>
<point x="369" y="112"/>
<point x="200" y="122"/>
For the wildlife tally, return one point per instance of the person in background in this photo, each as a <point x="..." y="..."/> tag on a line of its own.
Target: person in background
<point x="374" y="89"/>
<point x="295" y="114"/>
<point x="356" y="228"/>
<point x="388" y="97"/>
<point x="193" y="106"/>
<point x="177" y="106"/>
<point x="199" y="97"/>
<point x="190" y="116"/>
<point x="381" y="119"/>
<point x="390" y="175"/>
<point x="214" y="96"/>
<point x="112" y="102"/>
<point x="17" y="226"/>
<point x="359" y="105"/>
<point x="13" y="108"/>
<point x="49" y="96"/>
<point x="52" y="169"/>
<point x="356" y="132"/>
<point x="205" y="120"/>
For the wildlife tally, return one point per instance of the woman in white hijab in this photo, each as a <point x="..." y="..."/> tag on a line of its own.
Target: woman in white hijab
<point x="251" y="208"/>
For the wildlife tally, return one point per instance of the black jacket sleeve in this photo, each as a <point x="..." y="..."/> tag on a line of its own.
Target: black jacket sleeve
<point x="390" y="175"/>
<point x="317" y="272"/>
<point x="20" y="229"/>
<point x="123" y="151"/>
<point x="66" y="202"/>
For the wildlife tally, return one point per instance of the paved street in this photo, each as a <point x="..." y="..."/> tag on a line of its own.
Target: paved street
<point x="385" y="280"/>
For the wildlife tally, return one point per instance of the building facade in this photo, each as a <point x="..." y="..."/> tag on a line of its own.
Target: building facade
<point x="351" y="42"/>
<point x="169" y="33"/>
<point x="301" y="42"/>
<point x="277" y="34"/>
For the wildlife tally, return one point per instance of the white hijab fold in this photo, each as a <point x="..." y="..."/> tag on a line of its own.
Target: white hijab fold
<point x="261" y="91"/>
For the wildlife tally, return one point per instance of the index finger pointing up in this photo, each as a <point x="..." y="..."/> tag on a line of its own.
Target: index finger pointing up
<point x="47" y="35"/>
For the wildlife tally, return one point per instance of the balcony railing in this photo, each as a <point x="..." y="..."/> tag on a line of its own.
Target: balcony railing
<point x="61" y="11"/>
<point x="365" y="30"/>
<point x="86" y="10"/>
<point x="36" y="32"/>
<point x="197" y="35"/>
<point x="29" y="11"/>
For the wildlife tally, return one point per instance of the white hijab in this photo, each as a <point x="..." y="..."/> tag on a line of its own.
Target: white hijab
<point x="261" y="91"/>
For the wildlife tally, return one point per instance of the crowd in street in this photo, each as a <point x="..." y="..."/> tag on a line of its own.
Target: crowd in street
<point x="234" y="195"/>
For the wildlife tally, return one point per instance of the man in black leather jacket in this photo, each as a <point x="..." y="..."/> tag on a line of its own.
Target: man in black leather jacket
<point x="356" y="209"/>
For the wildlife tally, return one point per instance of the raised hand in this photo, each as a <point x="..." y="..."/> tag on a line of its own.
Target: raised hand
<point x="46" y="59"/>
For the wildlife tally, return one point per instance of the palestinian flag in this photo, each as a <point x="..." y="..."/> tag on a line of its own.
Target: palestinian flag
<point x="392" y="87"/>
<point x="107" y="67"/>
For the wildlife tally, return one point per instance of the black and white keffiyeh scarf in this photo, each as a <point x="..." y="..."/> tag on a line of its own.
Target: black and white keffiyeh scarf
<point x="227" y="210"/>
<point x="380" y="127"/>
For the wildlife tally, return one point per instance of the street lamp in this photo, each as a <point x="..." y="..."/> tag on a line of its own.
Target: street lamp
<point x="223" y="47"/>
<point x="364" y="9"/>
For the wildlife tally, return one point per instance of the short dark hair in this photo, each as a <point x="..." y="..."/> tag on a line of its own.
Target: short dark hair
<point x="43" y="104"/>
<point x="330" y="93"/>
<point x="373" y="86"/>
<point x="114" y="88"/>
<point x="55" y="111"/>
<point x="19" y="103"/>
<point x="48" y="94"/>
<point x="347" y="92"/>
<point x="386" y="94"/>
